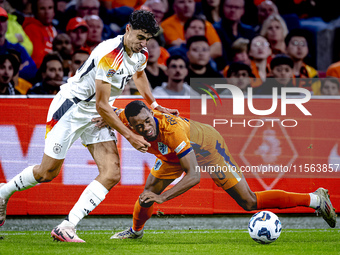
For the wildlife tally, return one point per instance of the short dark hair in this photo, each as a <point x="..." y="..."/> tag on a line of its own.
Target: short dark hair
<point x="193" y="18"/>
<point x="49" y="57"/>
<point x="145" y="21"/>
<point x="176" y="57"/>
<point x="81" y="51"/>
<point x="196" y="38"/>
<point x="281" y="59"/>
<point x="133" y="108"/>
<point x="298" y="32"/>
<point x="238" y="66"/>
<point x="34" y="6"/>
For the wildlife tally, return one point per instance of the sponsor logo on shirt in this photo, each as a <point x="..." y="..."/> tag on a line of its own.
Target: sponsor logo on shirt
<point x="180" y="147"/>
<point x="157" y="165"/>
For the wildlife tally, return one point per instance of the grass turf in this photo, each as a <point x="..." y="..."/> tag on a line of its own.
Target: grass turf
<point x="301" y="241"/>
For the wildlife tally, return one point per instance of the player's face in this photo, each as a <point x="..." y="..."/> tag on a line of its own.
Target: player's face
<point x="145" y="124"/>
<point x="135" y="40"/>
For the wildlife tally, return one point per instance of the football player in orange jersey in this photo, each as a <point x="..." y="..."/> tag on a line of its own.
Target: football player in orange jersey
<point x="182" y="145"/>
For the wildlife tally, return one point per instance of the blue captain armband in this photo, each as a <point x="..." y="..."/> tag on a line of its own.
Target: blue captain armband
<point x="181" y="155"/>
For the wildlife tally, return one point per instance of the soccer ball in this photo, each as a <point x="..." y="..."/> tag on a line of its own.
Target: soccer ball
<point x="264" y="227"/>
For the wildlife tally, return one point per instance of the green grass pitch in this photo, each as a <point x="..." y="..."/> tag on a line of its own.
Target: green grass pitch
<point x="291" y="241"/>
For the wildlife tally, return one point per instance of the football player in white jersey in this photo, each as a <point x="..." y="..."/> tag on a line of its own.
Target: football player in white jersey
<point x="88" y="94"/>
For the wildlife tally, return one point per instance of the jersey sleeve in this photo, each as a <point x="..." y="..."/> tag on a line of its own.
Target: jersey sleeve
<point x="146" y="56"/>
<point x="121" y="115"/>
<point x="178" y="141"/>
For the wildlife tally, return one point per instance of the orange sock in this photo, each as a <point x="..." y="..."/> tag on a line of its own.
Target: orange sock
<point x="140" y="216"/>
<point x="281" y="199"/>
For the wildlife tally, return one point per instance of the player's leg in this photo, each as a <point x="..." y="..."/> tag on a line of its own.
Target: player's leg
<point x="28" y="178"/>
<point x="161" y="176"/>
<point x="106" y="157"/>
<point x="280" y="199"/>
<point x="143" y="211"/>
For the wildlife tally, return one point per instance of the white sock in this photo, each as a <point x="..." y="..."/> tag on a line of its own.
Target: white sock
<point x="22" y="181"/>
<point x="91" y="197"/>
<point x="314" y="201"/>
<point x="137" y="232"/>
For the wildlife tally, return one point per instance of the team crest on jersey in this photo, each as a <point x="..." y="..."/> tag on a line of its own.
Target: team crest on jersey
<point x="163" y="148"/>
<point x="111" y="72"/>
<point x="157" y="165"/>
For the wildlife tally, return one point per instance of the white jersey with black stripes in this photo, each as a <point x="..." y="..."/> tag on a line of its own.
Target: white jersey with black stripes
<point x="108" y="62"/>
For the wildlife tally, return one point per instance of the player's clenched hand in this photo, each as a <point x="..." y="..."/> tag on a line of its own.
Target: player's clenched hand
<point x="167" y="110"/>
<point x="139" y="143"/>
<point x="149" y="196"/>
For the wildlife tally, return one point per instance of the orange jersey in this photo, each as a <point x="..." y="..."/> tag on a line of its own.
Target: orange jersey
<point x="177" y="136"/>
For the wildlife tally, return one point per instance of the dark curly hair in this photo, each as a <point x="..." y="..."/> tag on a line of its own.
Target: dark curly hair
<point x="145" y="21"/>
<point x="134" y="108"/>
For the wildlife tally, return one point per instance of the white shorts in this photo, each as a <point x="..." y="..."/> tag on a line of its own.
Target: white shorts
<point x="66" y="122"/>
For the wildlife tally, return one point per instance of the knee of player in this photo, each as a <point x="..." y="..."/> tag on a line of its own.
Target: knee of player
<point x="114" y="179"/>
<point x="142" y="204"/>
<point x="249" y="204"/>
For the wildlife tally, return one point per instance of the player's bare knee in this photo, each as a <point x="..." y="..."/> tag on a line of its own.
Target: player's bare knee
<point x="113" y="179"/>
<point x="142" y="204"/>
<point x="249" y="204"/>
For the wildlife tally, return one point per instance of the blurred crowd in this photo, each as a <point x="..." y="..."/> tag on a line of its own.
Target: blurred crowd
<point x="250" y="43"/>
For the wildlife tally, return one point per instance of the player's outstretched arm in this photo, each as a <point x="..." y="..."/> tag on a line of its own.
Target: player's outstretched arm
<point x="192" y="177"/>
<point x="103" y="90"/>
<point x="142" y="84"/>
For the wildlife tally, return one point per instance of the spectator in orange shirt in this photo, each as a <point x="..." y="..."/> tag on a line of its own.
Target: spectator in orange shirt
<point x="111" y="4"/>
<point x="259" y="52"/>
<point x="297" y="49"/>
<point x="77" y="29"/>
<point x="174" y="25"/>
<point x="334" y="70"/>
<point x="155" y="72"/>
<point x="40" y="29"/>
<point x="193" y="27"/>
